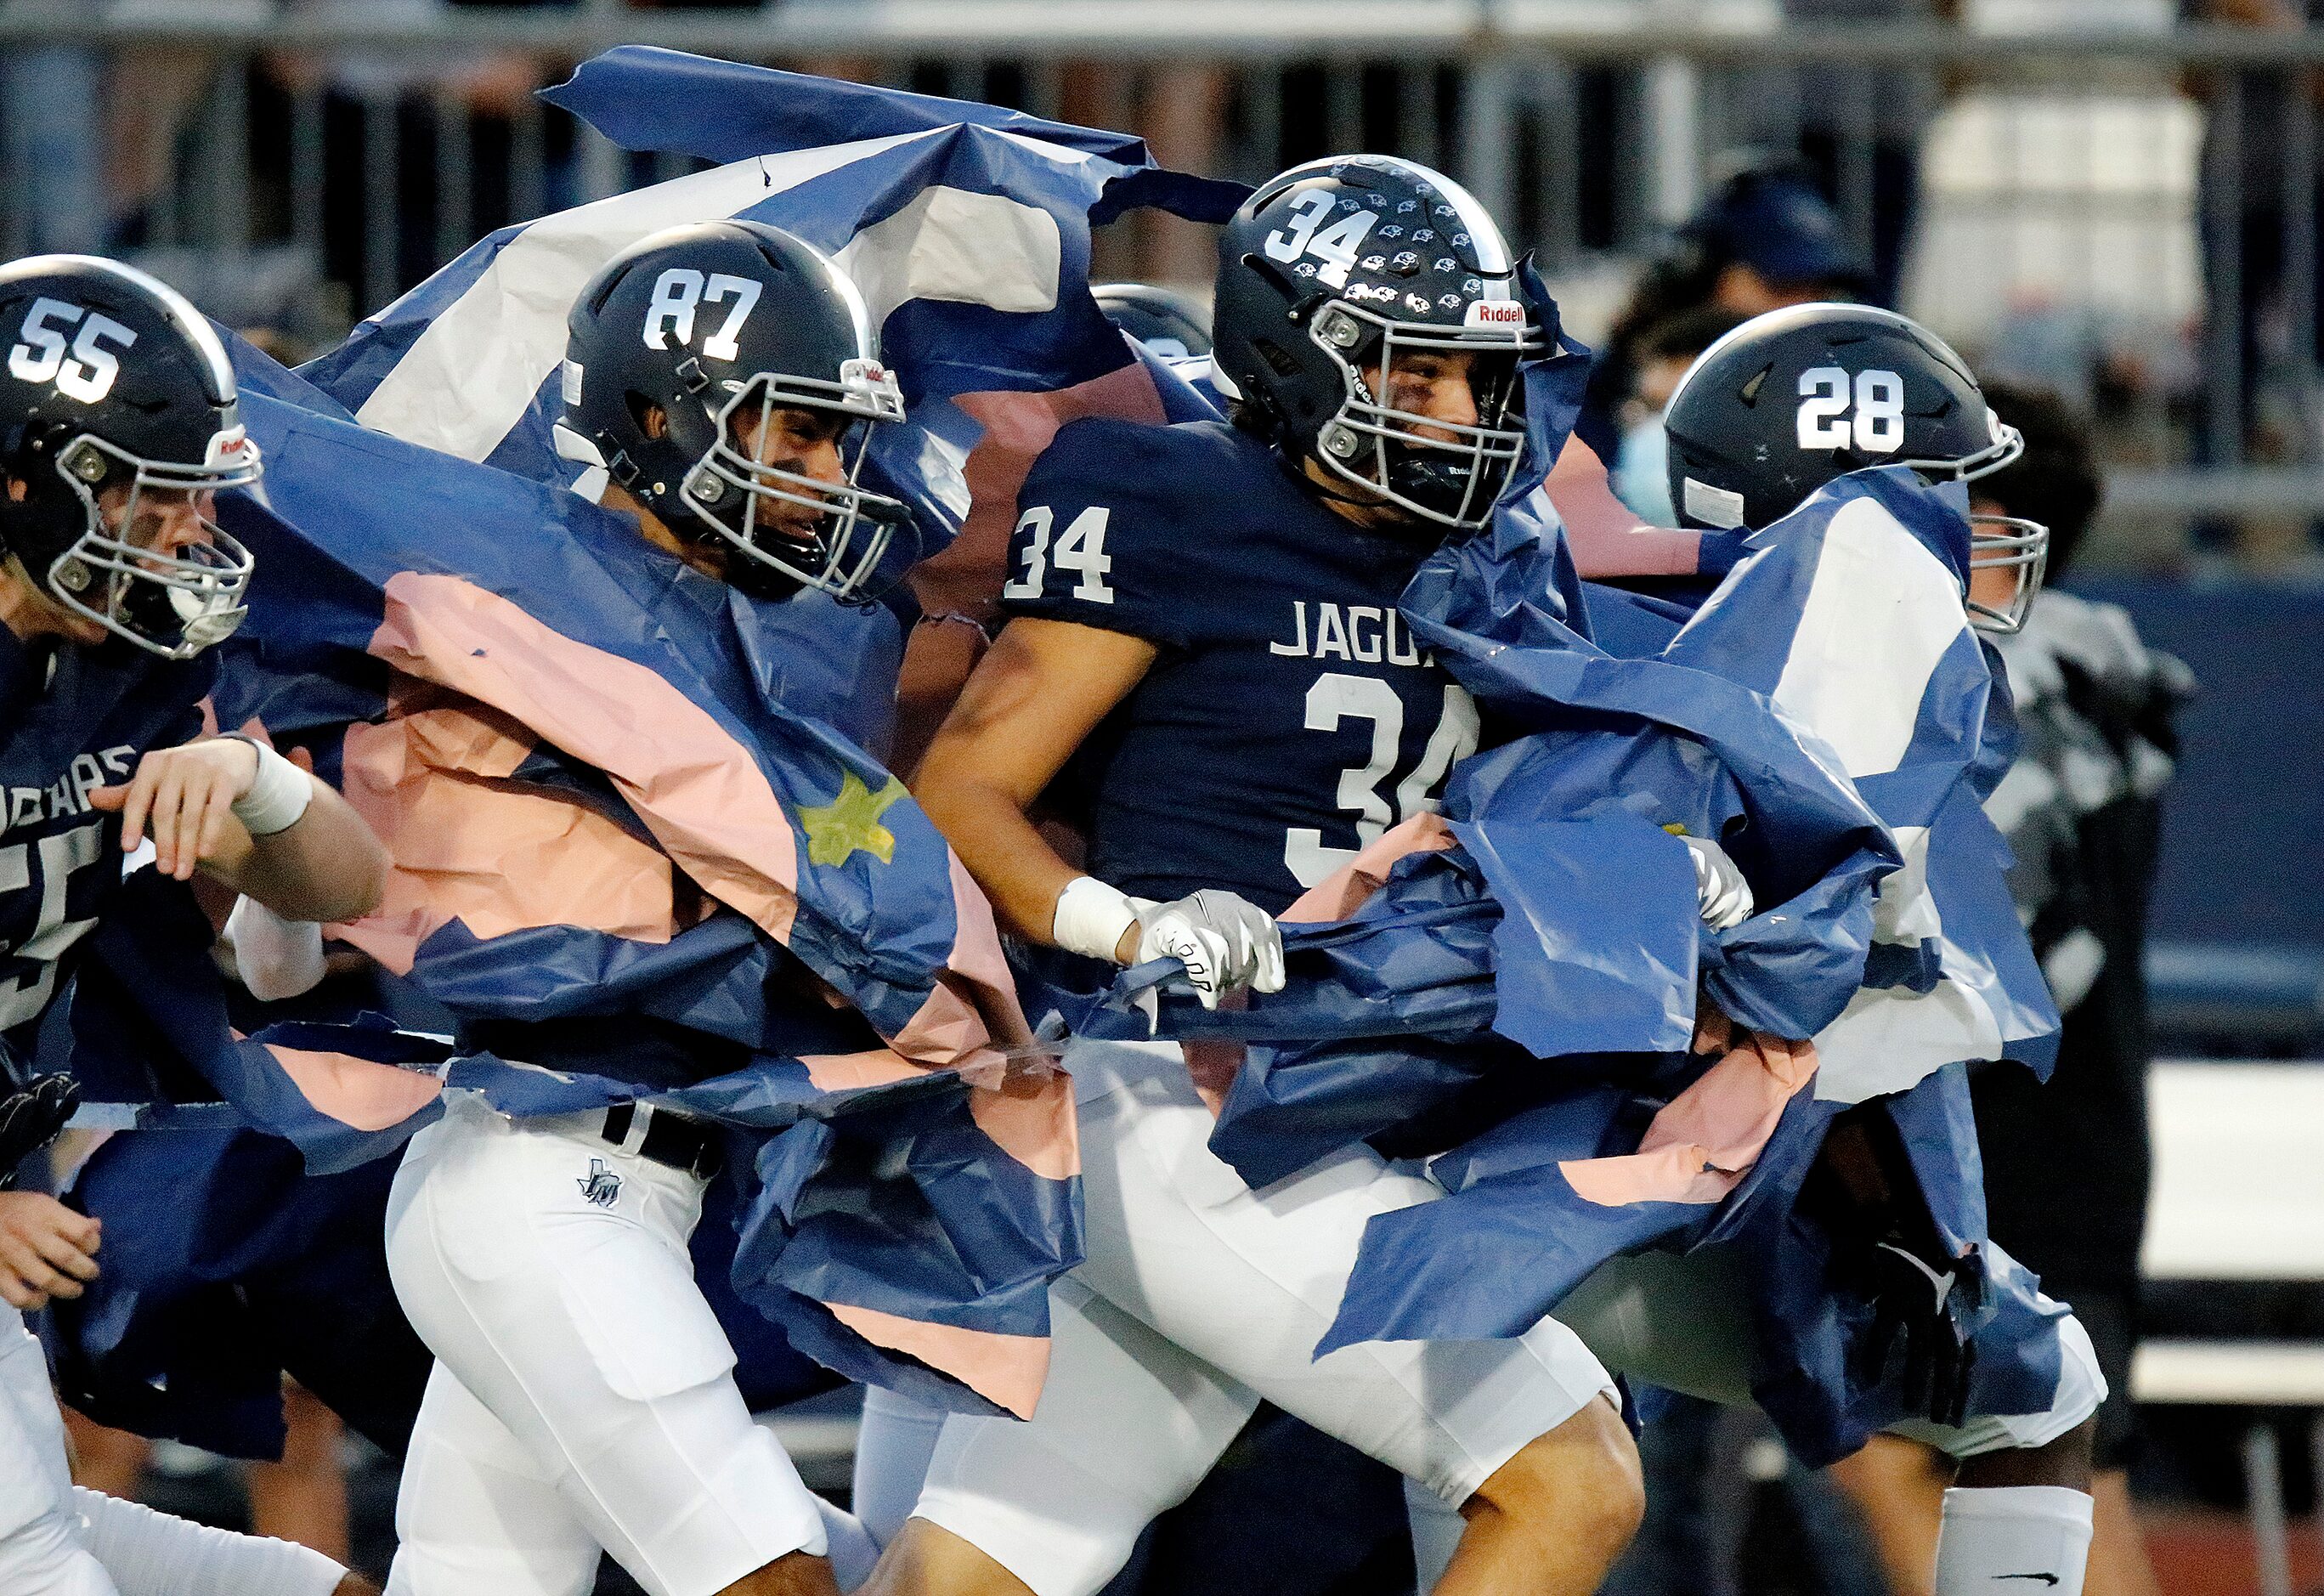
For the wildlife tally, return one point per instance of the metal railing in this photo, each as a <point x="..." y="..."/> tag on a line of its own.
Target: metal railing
<point x="2130" y="214"/>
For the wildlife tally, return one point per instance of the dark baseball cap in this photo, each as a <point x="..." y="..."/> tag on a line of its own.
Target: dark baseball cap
<point x="1776" y="224"/>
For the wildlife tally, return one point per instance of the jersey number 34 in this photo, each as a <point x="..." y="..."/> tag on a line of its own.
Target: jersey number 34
<point x="1080" y="547"/>
<point x="1338" y="697"/>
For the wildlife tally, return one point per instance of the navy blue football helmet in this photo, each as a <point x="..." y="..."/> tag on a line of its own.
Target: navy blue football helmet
<point x="1169" y="323"/>
<point x="1342" y="266"/>
<point x="1799" y="397"/>
<point x="113" y="382"/>
<point x="708" y="323"/>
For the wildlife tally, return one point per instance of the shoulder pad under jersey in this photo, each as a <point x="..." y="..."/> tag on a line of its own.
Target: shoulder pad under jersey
<point x="1144" y="530"/>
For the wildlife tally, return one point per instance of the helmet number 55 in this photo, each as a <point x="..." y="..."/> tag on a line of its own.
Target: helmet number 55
<point x="89" y="373"/>
<point x="1877" y="427"/>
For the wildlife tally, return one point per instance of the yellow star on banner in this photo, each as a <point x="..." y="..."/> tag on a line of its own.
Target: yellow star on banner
<point x="850" y="824"/>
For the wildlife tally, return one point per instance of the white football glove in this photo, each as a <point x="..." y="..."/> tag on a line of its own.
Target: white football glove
<point x="1725" y="896"/>
<point x="1226" y="943"/>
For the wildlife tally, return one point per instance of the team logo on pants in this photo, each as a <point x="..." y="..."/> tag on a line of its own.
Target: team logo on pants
<point x="601" y="1186"/>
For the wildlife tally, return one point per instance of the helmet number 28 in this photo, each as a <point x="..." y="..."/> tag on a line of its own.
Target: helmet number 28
<point x="88" y="373"/>
<point x="1877" y="401"/>
<point x="1335" y="245"/>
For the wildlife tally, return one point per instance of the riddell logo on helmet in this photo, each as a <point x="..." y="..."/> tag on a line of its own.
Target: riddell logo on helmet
<point x="230" y="447"/>
<point x="1494" y="313"/>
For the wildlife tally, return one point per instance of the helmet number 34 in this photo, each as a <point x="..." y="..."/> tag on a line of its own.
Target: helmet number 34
<point x="1335" y="245"/>
<point x="88" y="371"/>
<point x="1876" y="426"/>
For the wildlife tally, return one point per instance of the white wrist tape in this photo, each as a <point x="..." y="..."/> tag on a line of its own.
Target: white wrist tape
<point x="275" y="957"/>
<point x="278" y="795"/>
<point x="1090" y="917"/>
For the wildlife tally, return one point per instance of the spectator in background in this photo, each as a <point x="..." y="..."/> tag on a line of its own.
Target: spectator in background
<point x="1859" y="130"/>
<point x="387" y="219"/>
<point x="51" y="97"/>
<point x="1763" y="239"/>
<point x="1640" y="475"/>
<point x="2066" y="1164"/>
<point x="2250" y="208"/>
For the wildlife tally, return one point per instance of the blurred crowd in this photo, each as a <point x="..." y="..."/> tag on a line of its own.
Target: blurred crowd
<point x="379" y="162"/>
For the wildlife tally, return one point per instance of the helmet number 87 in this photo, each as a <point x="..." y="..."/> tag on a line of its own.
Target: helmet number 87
<point x="1877" y="426"/>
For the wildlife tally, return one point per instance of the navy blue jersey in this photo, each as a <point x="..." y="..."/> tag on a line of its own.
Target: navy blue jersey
<point x="71" y="720"/>
<point x="1289" y="717"/>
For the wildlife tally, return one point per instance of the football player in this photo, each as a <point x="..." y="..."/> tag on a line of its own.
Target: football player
<point x="1785" y="403"/>
<point x="2080" y="810"/>
<point x="721" y="381"/>
<point x="1204" y="664"/>
<point x="1853" y="387"/>
<point x="118" y="428"/>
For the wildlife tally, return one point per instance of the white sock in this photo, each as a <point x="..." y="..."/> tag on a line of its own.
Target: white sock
<point x="1436" y="1526"/>
<point x="892" y="1449"/>
<point x="849" y="1545"/>
<point x="2013" y="1540"/>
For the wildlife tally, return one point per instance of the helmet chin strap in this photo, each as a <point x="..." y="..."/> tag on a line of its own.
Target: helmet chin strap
<point x="1382" y="513"/>
<point x="1379" y="513"/>
<point x="26" y="606"/>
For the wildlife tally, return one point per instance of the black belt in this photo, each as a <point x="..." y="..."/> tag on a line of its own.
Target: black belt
<point x="665" y="1137"/>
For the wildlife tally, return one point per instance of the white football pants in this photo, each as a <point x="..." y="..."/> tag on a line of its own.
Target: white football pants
<point x="583" y="1396"/>
<point x="1683" y="1324"/>
<point x="1200" y="1297"/>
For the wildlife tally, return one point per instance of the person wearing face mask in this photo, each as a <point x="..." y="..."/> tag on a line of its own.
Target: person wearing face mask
<point x="1764" y="237"/>
<point x="1641" y="469"/>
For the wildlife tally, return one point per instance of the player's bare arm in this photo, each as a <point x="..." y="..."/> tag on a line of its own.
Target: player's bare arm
<point x="1042" y="687"/>
<point x="251" y="819"/>
<point x="1031" y="701"/>
<point x="153" y="569"/>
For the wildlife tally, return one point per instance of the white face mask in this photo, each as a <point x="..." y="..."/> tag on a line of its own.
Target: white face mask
<point x="1640" y="475"/>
